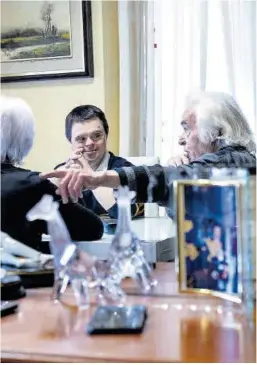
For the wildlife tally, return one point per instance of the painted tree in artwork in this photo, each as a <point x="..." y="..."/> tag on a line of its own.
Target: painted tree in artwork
<point x="46" y="16"/>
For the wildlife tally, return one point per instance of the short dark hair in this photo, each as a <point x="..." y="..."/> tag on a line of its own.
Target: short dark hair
<point x="83" y="113"/>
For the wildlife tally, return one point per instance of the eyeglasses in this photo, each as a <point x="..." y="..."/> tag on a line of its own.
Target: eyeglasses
<point x="95" y="137"/>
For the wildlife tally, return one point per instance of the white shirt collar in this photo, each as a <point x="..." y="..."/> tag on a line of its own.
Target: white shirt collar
<point x="104" y="163"/>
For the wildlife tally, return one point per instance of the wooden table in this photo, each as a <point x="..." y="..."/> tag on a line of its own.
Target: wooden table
<point x="178" y="329"/>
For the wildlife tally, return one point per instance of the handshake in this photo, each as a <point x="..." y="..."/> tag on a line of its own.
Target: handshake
<point x="76" y="175"/>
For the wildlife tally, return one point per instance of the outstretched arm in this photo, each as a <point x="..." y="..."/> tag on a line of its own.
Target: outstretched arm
<point x="149" y="182"/>
<point x="103" y="195"/>
<point x="73" y="182"/>
<point x="136" y="177"/>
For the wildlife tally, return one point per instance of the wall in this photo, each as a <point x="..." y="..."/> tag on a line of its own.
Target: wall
<point x="111" y="69"/>
<point x="51" y="100"/>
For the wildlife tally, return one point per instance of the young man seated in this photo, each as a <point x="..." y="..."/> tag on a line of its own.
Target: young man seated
<point x="87" y="129"/>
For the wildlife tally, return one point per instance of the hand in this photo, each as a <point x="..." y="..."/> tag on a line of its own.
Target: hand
<point x="76" y="160"/>
<point x="72" y="182"/>
<point x="178" y="160"/>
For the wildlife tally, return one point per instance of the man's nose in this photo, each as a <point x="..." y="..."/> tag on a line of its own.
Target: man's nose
<point x="89" y="141"/>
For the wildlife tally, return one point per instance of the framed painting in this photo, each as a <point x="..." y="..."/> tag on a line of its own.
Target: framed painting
<point x="46" y="39"/>
<point x="209" y="234"/>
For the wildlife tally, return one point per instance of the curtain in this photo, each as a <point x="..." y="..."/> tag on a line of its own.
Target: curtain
<point x="239" y="30"/>
<point x="136" y="43"/>
<point x="182" y="57"/>
<point x="202" y="44"/>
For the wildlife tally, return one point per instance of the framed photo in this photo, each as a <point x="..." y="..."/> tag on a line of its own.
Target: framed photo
<point x="46" y="39"/>
<point x="209" y="233"/>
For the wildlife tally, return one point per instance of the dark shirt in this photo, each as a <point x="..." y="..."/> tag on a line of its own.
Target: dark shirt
<point x="137" y="177"/>
<point x="20" y="190"/>
<point x="89" y="201"/>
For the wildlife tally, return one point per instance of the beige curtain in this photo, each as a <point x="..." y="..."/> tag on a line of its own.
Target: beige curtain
<point x="136" y="43"/>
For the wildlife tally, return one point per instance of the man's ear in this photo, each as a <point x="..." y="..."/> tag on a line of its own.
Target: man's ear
<point x="219" y="134"/>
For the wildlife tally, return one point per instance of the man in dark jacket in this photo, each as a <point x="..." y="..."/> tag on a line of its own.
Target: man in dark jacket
<point x="215" y="134"/>
<point x="87" y="129"/>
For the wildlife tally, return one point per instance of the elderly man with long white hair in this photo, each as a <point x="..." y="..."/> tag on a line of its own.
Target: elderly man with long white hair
<point x="21" y="189"/>
<point x="215" y="134"/>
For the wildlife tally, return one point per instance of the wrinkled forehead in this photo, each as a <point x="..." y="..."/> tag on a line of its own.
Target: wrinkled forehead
<point x="87" y="127"/>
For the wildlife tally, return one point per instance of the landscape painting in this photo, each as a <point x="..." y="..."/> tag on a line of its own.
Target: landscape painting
<point x="46" y="39"/>
<point x="36" y="30"/>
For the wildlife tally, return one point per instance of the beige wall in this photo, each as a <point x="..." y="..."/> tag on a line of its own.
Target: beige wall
<point x="51" y="100"/>
<point x="111" y="70"/>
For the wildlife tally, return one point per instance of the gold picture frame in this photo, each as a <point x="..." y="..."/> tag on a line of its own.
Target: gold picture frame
<point x="211" y="275"/>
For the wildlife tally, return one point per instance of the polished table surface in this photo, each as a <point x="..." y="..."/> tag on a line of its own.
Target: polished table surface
<point x="177" y="330"/>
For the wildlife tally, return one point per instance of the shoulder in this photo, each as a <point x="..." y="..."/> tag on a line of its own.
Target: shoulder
<point x="229" y="155"/>
<point x="117" y="161"/>
<point x="19" y="179"/>
<point x="18" y="173"/>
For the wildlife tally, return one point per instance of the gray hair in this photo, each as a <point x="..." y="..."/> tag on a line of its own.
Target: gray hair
<point x="17" y="129"/>
<point x="220" y="119"/>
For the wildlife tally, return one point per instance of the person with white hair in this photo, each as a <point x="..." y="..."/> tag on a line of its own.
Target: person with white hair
<point x="212" y="120"/>
<point x="21" y="189"/>
<point x="215" y="134"/>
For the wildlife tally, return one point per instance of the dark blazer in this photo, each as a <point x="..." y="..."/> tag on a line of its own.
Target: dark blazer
<point x="89" y="201"/>
<point x="20" y="190"/>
